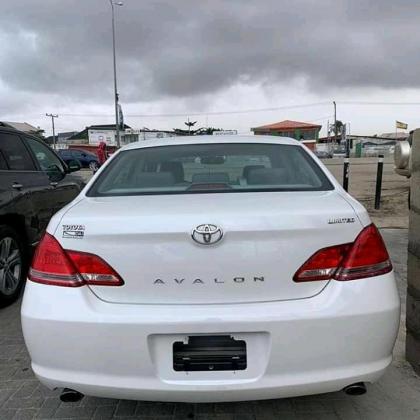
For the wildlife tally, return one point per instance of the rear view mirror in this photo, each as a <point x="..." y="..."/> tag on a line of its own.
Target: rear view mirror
<point x="74" y="166"/>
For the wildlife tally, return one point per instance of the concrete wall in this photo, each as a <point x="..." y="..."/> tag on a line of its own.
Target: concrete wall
<point x="413" y="276"/>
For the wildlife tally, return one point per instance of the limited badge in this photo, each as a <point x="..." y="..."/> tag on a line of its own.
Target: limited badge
<point x="73" y="231"/>
<point x="337" y="220"/>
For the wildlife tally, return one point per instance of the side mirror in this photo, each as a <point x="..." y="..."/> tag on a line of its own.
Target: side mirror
<point x="74" y="166"/>
<point x="55" y="174"/>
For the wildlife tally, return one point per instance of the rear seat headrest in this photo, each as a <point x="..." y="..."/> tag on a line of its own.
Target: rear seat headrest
<point x="269" y="176"/>
<point x="247" y="169"/>
<point x="155" y="179"/>
<point x="175" y="168"/>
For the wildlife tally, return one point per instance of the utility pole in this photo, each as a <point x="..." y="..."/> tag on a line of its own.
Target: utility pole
<point x="53" y="128"/>
<point x="335" y="122"/>
<point x="346" y="167"/>
<point x="117" y="128"/>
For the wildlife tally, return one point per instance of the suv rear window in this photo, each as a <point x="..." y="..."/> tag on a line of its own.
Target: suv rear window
<point x="204" y="168"/>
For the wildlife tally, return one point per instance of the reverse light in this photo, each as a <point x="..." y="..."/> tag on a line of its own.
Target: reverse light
<point x="365" y="257"/>
<point x="58" y="267"/>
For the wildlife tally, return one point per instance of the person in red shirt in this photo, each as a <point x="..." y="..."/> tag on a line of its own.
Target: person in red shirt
<point x="102" y="155"/>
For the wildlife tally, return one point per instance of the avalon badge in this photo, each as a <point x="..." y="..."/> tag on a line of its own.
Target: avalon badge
<point x="207" y="234"/>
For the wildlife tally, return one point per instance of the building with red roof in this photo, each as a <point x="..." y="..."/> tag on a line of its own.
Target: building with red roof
<point x="306" y="132"/>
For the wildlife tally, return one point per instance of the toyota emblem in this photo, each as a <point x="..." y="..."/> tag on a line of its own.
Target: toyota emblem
<point x="207" y="234"/>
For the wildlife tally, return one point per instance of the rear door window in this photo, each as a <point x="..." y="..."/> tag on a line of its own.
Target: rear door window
<point x="46" y="158"/>
<point x="15" y="153"/>
<point x="214" y="167"/>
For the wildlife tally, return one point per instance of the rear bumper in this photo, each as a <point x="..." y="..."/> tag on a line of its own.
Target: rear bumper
<point x="343" y="335"/>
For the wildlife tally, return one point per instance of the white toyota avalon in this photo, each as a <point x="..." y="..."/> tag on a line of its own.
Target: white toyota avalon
<point x="211" y="269"/>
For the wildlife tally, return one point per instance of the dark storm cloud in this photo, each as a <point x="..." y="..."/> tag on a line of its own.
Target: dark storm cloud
<point x="187" y="48"/>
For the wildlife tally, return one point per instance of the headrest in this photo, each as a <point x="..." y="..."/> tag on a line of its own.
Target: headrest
<point x="175" y="168"/>
<point x="248" y="168"/>
<point x="155" y="179"/>
<point x="268" y="176"/>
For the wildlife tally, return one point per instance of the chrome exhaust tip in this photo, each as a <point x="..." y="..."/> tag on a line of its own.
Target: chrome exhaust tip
<point x="70" y="395"/>
<point x="359" y="388"/>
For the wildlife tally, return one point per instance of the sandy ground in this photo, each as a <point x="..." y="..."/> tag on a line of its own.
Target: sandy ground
<point x="393" y="212"/>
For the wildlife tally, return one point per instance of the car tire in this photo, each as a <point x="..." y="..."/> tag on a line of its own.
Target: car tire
<point x="93" y="166"/>
<point x="13" y="265"/>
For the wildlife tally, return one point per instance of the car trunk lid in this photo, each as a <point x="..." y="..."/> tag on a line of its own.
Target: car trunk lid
<point x="266" y="237"/>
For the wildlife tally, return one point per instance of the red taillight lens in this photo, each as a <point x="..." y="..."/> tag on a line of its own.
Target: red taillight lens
<point x="323" y="264"/>
<point x="94" y="270"/>
<point x="51" y="265"/>
<point x="55" y="266"/>
<point x="365" y="257"/>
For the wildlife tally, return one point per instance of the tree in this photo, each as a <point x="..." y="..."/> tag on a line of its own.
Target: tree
<point x="339" y="124"/>
<point x="198" y="132"/>
<point x="39" y="133"/>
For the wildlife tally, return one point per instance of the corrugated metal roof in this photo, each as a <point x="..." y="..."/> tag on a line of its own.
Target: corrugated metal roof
<point x="25" y="127"/>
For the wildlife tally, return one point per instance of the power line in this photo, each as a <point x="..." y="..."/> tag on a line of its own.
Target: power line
<point x="378" y="103"/>
<point x="321" y="118"/>
<point x="193" y="114"/>
<point x="244" y="111"/>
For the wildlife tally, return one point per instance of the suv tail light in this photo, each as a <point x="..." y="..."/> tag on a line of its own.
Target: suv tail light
<point x="365" y="257"/>
<point x="55" y="266"/>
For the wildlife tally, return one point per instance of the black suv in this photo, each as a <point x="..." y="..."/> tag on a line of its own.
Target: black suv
<point x="34" y="184"/>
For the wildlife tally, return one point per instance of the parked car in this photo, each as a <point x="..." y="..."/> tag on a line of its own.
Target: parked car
<point x="218" y="269"/>
<point x="339" y="151"/>
<point x="322" y="154"/>
<point x="86" y="159"/>
<point x="34" y="184"/>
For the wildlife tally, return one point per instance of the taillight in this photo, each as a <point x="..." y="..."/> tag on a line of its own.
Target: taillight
<point x="55" y="266"/>
<point x="365" y="257"/>
<point x="323" y="264"/>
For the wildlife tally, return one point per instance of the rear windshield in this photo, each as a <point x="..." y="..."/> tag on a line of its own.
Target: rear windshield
<point x="205" y="168"/>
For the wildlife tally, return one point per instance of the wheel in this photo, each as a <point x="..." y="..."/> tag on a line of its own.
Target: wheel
<point x="93" y="166"/>
<point x="12" y="265"/>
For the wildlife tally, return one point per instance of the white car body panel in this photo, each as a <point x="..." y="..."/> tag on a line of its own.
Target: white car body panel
<point x="160" y="262"/>
<point x="302" y="338"/>
<point x="341" y="336"/>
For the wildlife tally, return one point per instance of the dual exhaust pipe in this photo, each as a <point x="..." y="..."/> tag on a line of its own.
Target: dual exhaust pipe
<point x="70" y="395"/>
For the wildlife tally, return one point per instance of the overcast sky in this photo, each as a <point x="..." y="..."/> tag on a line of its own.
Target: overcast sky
<point x="185" y="57"/>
